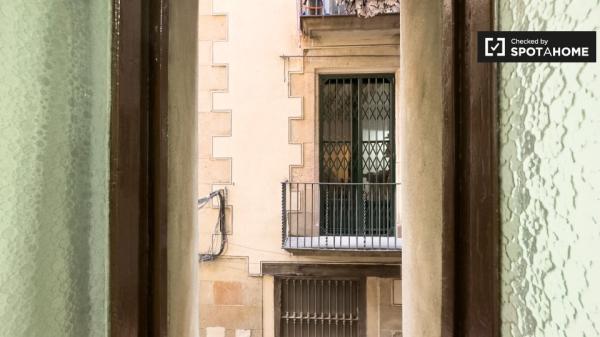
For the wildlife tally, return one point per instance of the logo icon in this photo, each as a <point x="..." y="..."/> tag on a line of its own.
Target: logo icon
<point x="546" y="46"/>
<point x="495" y="46"/>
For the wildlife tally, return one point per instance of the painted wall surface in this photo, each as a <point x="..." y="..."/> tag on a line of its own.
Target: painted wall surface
<point x="182" y="232"/>
<point x="256" y="127"/>
<point x="257" y="121"/>
<point x="54" y="114"/>
<point x="550" y="180"/>
<point x="421" y="166"/>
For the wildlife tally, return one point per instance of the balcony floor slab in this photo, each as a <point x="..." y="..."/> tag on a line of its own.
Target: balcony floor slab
<point x="368" y="243"/>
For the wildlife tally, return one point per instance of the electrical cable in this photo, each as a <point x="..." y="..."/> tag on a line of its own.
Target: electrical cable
<point x="220" y="230"/>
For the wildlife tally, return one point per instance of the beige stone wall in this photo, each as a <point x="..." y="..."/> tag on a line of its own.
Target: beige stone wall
<point x="212" y="170"/>
<point x="384" y="317"/>
<point x="421" y="166"/>
<point x="390" y="314"/>
<point x="230" y="299"/>
<point x="257" y="120"/>
<point x="182" y="232"/>
<point x="256" y="116"/>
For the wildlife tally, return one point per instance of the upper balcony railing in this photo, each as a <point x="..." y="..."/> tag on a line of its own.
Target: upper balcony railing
<point x="339" y="8"/>
<point x="339" y="216"/>
<point x="323" y="7"/>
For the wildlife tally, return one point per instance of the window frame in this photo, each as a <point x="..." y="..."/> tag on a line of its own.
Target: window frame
<point x="362" y="271"/>
<point x="470" y="192"/>
<point x="137" y="262"/>
<point x="362" y="305"/>
<point x="322" y="78"/>
<point x="356" y="162"/>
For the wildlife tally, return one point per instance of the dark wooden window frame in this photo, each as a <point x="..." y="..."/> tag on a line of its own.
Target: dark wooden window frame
<point x="137" y="262"/>
<point x="356" y="141"/>
<point x="471" y="224"/>
<point x="356" y="153"/>
<point x="138" y="170"/>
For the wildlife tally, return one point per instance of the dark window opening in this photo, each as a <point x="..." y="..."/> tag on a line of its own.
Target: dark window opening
<point x="317" y="307"/>
<point x="357" y="155"/>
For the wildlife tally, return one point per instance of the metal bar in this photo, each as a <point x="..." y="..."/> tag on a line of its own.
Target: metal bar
<point x="339" y="137"/>
<point x="381" y="140"/>
<point x="371" y="225"/>
<point x="351" y="124"/>
<point x="290" y="217"/>
<point x="304" y="211"/>
<point x="379" y="214"/>
<point x="393" y="211"/>
<point x="288" y="307"/>
<point x="337" y="310"/>
<point x="312" y="214"/>
<point x="329" y="305"/>
<point x="322" y="310"/>
<point x="351" y="308"/>
<point x="356" y="214"/>
<point x="313" y="313"/>
<point x="306" y="309"/>
<point x="297" y="214"/>
<point x="349" y="218"/>
<point x="334" y="214"/>
<point x="316" y="307"/>
<point x="341" y="222"/>
<point x="294" y="307"/>
<point x="349" y="184"/>
<point x="364" y="218"/>
<point x="343" y="307"/>
<point x="393" y="159"/>
<point x="359" y="159"/>
<point x="367" y="112"/>
<point x="301" y="306"/>
<point x="358" y="311"/>
<point x="388" y="218"/>
<point x="283" y="215"/>
<point x="326" y="216"/>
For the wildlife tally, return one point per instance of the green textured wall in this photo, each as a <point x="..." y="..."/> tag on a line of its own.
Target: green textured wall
<point x="550" y="180"/>
<point x="54" y="113"/>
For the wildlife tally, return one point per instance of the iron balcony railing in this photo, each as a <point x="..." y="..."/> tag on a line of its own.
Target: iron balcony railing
<point x="335" y="8"/>
<point x="323" y="8"/>
<point x="339" y="216"/>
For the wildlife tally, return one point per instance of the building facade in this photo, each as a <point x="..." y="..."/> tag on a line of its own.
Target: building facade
<point x="327" y="168"/>
<point x="297" y="133"/>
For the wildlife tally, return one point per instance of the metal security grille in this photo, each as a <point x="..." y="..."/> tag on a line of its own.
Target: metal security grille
<point x="312" y="307"/>
<point x="356" y="138"/>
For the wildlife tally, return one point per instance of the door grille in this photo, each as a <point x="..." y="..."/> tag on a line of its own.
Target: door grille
<point x="312" y="307"/>
<point x="356" y="138"/>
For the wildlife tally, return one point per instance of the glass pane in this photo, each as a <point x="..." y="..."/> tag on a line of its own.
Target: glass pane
<point x="356" y="128"/>
<point x="336" y="130"/>
<point x="376" y="109"/>
<point x="550" y="181"/>
<point x="55" y="93"/>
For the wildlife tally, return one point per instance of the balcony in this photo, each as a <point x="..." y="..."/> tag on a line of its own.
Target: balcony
<point x="361" y="8"/>
<point x="324" y="7"/>
<point x="339" y="216"/>
<point x="327" y="23"/>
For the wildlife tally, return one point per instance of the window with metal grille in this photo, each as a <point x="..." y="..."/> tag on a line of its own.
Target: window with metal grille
<point x="356" y="147"/>
<point x="317" y="307"/>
